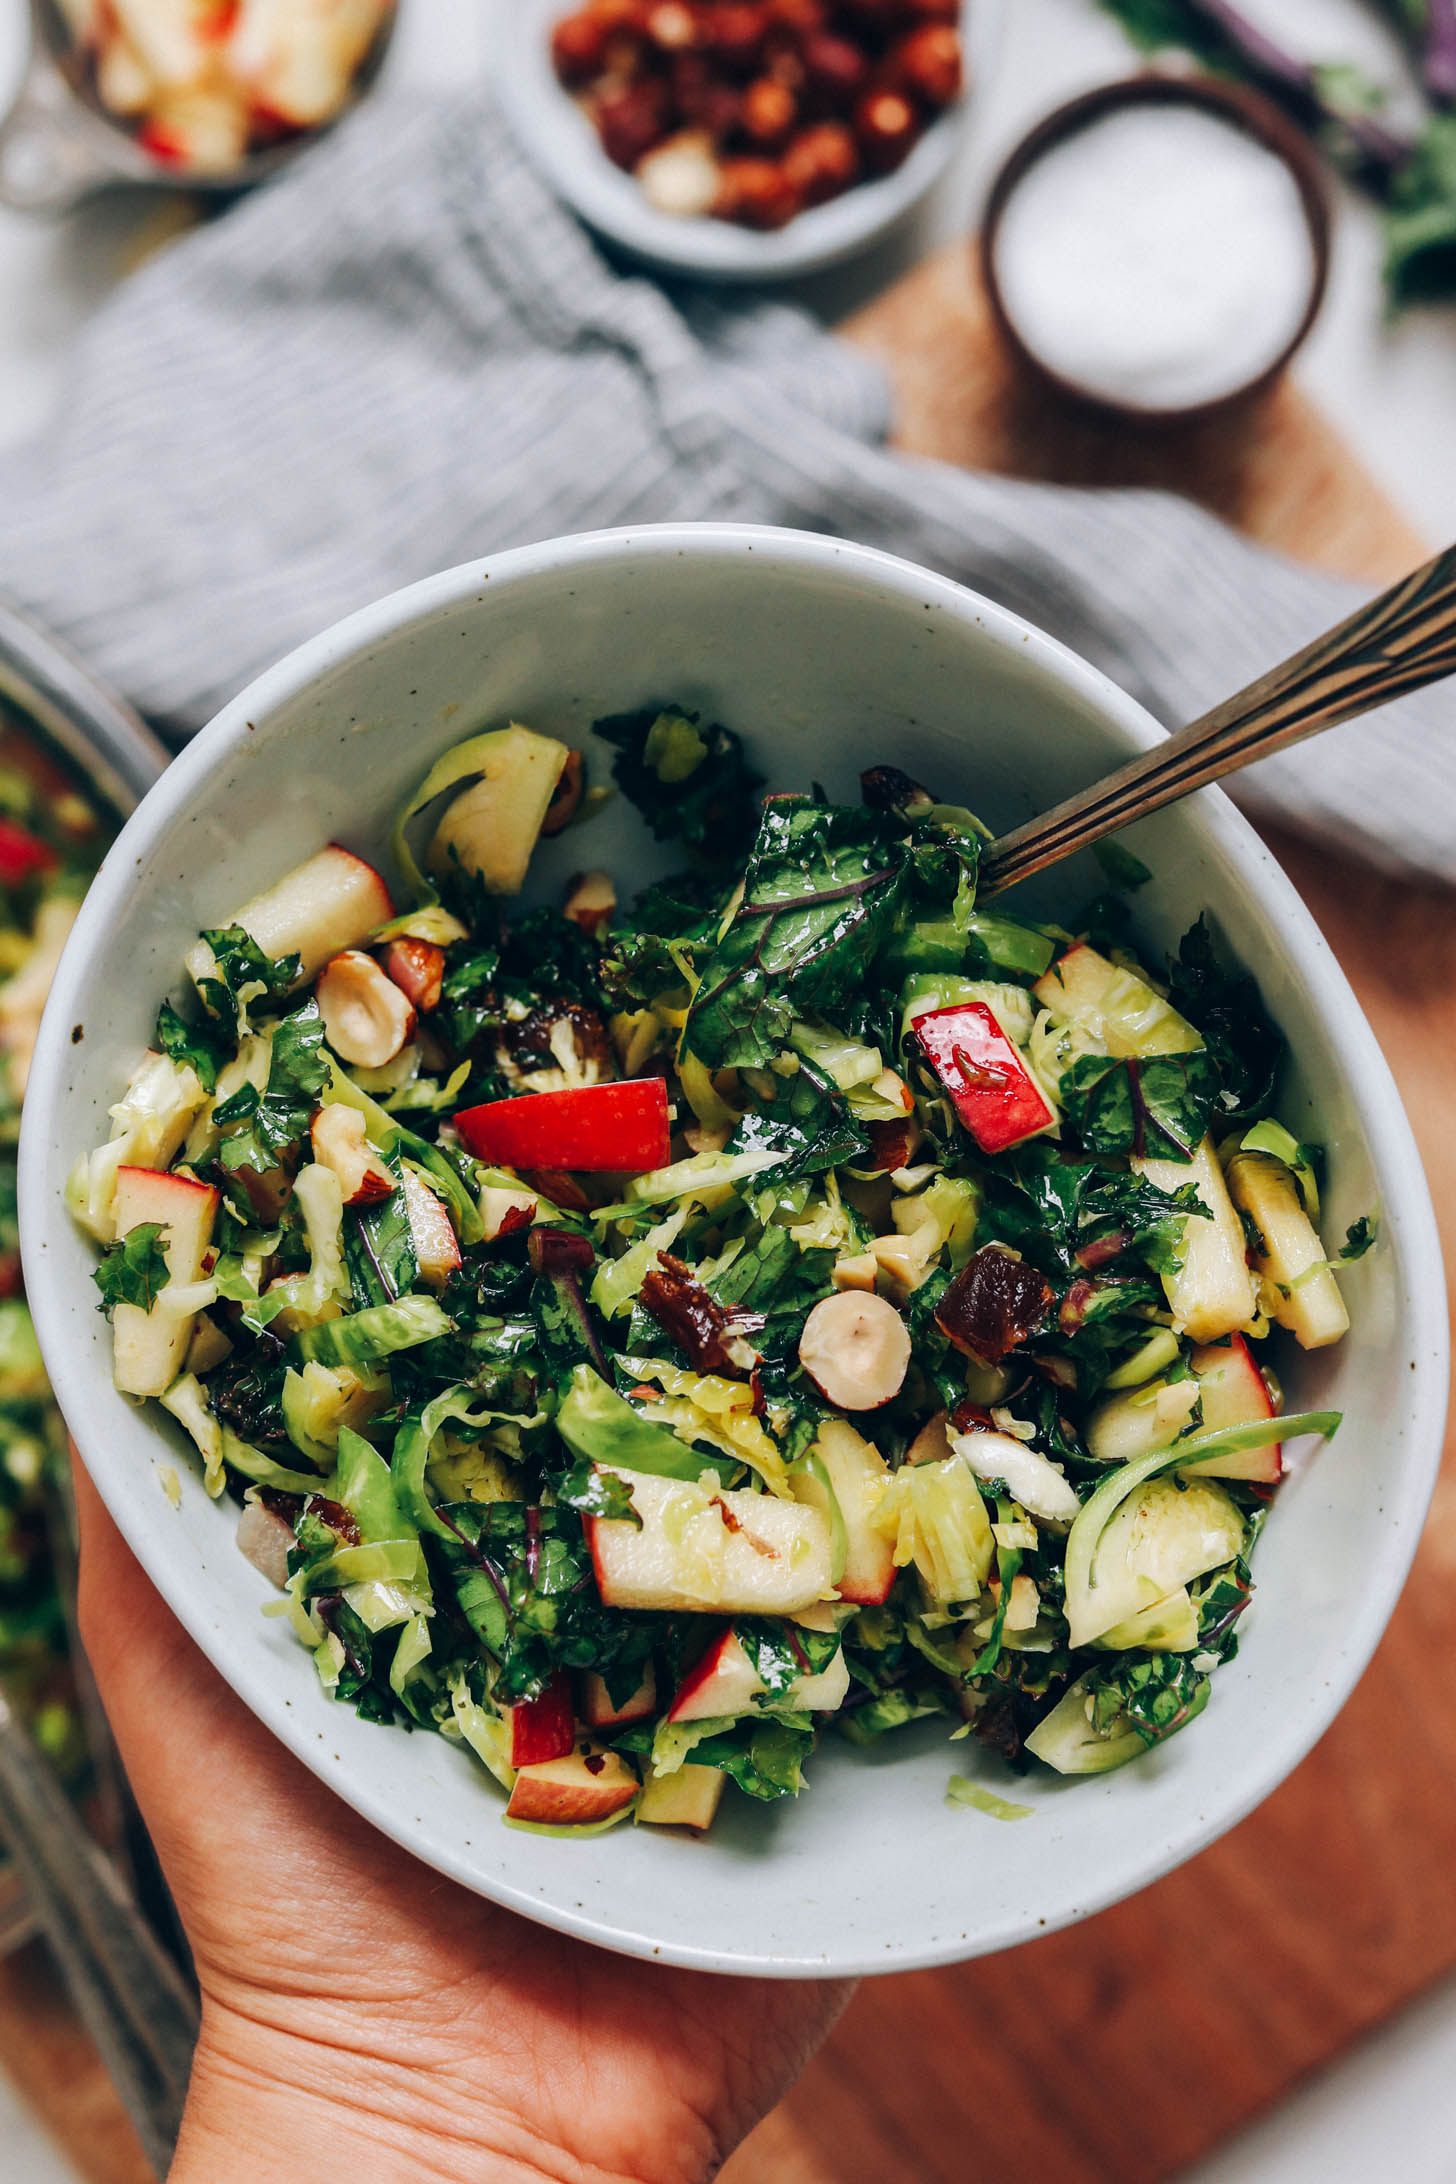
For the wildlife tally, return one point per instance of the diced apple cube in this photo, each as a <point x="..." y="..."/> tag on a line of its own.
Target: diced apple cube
<point x="580" y="1791"/>
<point x="151" y="1346"/>
<point x="725" y="1681"/>
<point x="688" y="1798"/>
<point x="597" y="1710"/>
<point x="1213" y="1292"/>
<point x="1307" y="1297"/>
<point x="1123" y="1427"/>
<point x="701" y="1548"/>
<point x="319" y="909"/>
<point x="542" y="1728"/>
<point x="301" y="56"/>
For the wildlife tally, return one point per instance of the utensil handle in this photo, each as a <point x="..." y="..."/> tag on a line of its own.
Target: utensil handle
<point x="1399" y="642"/>
<point x="135" y="2003"/>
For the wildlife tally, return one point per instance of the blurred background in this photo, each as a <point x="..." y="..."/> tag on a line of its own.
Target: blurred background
<point x="1278" y="2010"/>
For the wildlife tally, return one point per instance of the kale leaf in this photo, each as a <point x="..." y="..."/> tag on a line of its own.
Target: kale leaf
<point x="522" y="1578"/>
<point x="823" y="889"/>
<point x="765" y="1758"/>
<point x="1227" y="1008"/>
<point x="782" y="1652"/>
<point x="244" y="974"/>
<point x="134" y="1269"/>
<point x="297" y="1074"/>
<point x="669" y="929"/>
<point x="688" y="781"/>
<point x="189" y="1044"/>
<point x="1359" y="1237"/>
<point x="379" y="1245"/>
<point x="806" y="1123"/>
<point x="1157" y="1106"/>
<point x="1154" y="1693"/>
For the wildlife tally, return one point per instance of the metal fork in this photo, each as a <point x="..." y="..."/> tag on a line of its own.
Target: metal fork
<point x="1399" y="642"/>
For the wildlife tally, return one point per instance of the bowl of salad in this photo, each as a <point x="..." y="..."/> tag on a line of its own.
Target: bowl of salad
<point x="853" y="1423"/>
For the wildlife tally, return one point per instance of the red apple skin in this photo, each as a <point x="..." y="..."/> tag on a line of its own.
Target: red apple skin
<point x="1235" y="1394"/>
<point x="543" y="1728"/>
<point x="578" y="1791"/>
<point x="598" y="1712"/>
<point x="723" y="1662"/>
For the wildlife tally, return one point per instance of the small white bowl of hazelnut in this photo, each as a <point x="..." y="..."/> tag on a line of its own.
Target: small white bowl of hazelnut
<point x="739" y="140"/>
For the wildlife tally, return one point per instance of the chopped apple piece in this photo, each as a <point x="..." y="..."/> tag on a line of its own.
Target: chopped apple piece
<point x="725" y="1681"/>
<point x="688" y="1798"/>
<point x="1235" y="1393"/>
<point x="1213" y="1293"/>
<point x="543" y="1728"/>
<point x="857" y="1473"/>
<point x="323" y="906"/>
<point x="300" y="56"/>
<point x="436" y="1249"/>
<point x="1124" y="1427"/>
<point x="598" y="1712"/>
<point x="1307" y="1297"/>
<point x="576" y="1792"/>
<point x="151" y="1346"/>
<point x="701" y="1548"/>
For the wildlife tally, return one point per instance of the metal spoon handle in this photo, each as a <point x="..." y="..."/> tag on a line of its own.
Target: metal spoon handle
<point x="135" y="2003"/>
<point x="1399" y="642"/>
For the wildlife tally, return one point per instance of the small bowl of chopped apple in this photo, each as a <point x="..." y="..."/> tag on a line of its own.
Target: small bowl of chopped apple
<point x="212" y="93"/>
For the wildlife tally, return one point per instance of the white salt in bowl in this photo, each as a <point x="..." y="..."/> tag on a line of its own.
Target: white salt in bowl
<point x="828" y="658"/>
<point x="1158" y="248"/>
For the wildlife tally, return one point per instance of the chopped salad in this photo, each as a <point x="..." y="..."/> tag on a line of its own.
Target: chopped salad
<point x="642" y="1338"/>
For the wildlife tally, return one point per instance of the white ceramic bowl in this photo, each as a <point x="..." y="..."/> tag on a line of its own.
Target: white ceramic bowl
<point x="828" y="657"/>
<point x="563" y="143"/>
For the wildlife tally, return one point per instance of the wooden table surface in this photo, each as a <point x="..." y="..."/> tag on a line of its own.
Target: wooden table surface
<point x="1117" y="2052"/>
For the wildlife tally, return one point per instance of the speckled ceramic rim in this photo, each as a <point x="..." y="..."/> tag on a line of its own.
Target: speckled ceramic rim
<point x="1408" y="1223"/>
<point x="1248" y="110"/>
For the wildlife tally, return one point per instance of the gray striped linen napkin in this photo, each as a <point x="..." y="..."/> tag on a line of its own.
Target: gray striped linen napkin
<point x="406" y="353"/>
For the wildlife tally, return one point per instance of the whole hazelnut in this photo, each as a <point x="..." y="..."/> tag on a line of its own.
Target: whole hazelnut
<point x="927" y="64"/>
<point x="630" y="121"/>
<point x="578" y="45"/>
<point x="756" y="193"/>
<point x="822" y="162"/>
<point x="769" y="112"/>
<point x="703" y="98"/>
<point x="886" y="125"/>
<point x="671" y="26"/>
<point x="835" y="71"/>
<point x="734" y="33"/>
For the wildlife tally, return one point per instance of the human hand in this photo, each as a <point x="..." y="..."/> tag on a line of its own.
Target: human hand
<point x="362" y="2018"/>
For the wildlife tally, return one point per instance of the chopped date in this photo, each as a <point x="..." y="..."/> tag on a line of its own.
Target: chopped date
<point x="337" y="1518"/>
<point x="714" y="1336"/>
<point x="993" y="1304"/>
